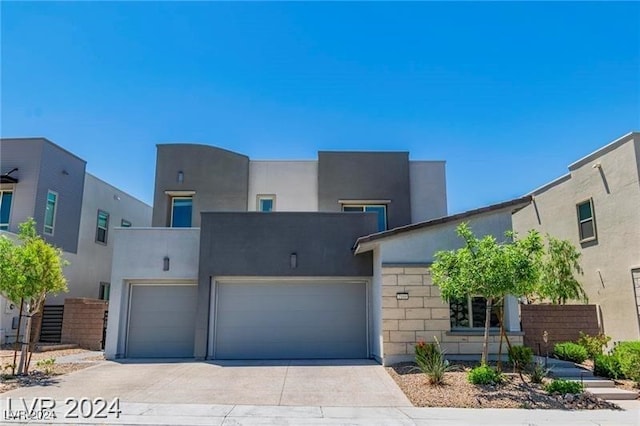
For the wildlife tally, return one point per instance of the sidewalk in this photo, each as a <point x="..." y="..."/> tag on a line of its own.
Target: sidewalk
<point x="203" y="414"/>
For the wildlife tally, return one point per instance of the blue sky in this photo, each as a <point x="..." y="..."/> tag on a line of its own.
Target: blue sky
<point x="507" y="93"/>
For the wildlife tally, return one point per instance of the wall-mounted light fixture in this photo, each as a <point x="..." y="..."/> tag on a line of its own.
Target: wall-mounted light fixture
<point x="165" y="264"/>
<point x="116" y="197"/>
<point x="597" y="166"/>
<point x="180" y="177"/>
<point x="293" y="260"/>
<point x="402" y="296"/>
<point x="65" y="172"/>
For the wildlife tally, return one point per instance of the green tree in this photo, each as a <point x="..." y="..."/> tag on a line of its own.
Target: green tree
<point x="560" y="265"/>
<point x="30" y="269"/>
<point x="518" y="267"/>
<point x="488" y="268"/>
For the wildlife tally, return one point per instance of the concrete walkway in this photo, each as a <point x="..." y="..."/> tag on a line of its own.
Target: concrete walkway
<point x="209" y="414"/>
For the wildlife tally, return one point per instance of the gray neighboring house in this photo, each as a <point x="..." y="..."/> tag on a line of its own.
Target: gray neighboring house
<point x="258" y="259"/>
<point x="596" y="206"/>
<point x="73" y="209"/>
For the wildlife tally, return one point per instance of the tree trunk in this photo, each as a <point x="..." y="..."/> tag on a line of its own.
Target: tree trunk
<point x="487" y="323"/>
<point x="23" y="367"/>
<point x="499" y="366"/>
<point x="15" y="346"/>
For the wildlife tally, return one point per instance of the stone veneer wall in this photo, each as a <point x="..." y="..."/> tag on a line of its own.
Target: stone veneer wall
<point x="83" y="322"/>
<point x="423" y="317"/>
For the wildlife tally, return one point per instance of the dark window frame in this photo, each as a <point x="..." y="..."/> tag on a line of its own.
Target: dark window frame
<point x="582" y="222"/>
<point x="103" y="228"/>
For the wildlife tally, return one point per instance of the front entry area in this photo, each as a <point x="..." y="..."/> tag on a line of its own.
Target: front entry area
<point x="289" y="319"/>
<point x="162" y="320"/>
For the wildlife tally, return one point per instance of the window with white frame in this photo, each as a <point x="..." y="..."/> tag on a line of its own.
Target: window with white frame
<point x="469" y="313"/>
<point x="380" y="209"/>
<point x="266" y="203"/>
<point x="50" y="212"/>
<point x="586" y="221"/>
<point x="181" y="211"/>
<point x="102" y="227"/>
<point x="6" y="196"/>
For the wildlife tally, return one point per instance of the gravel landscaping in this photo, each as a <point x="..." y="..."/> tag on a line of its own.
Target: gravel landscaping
<point x="37" y="375"/>
<point x="458" y="392"/>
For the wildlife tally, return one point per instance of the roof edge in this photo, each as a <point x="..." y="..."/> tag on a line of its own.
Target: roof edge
<point x="603" y="150"/>
<point x="515" y="203"/>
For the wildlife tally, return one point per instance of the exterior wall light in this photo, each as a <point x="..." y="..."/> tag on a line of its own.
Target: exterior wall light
<point x="402" y="296"/>
<point x="165" y="264"/>
<point x="293" y="260"/>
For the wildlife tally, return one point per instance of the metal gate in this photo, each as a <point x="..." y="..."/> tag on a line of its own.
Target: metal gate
<point x="51" y="331"/>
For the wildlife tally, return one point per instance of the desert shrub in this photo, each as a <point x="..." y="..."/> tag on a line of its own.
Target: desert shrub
<point x="484" y="375"/>
<point x="431" y="361"/>
<point x="570" y="351"/>
<point x="520" y="357"/>
<point x="46" y="365"/>
<point x="538" y="372"/>
<point x="607" y="366"/>
<point x="563" y="387"/>
<point x="627" y="355"/>
<point x="593" y="344"/>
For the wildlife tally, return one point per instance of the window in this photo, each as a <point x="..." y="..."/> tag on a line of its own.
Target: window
<point x="181" y="208"/>
<point x="5" y="208"/>
<point x="105" y="289"/>
<point x="50" y="212"/>
<point x="266" y="203"/>
<point x="586" y="221"/>
<point x="125" y="223"/>
<point x="470" y="312"/>
<point x="102" y="227"/>
<point x="381" y="210"/>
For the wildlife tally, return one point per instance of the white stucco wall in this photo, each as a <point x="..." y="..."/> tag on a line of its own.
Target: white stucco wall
<point x="607" y="264"/>
<point x="139" y="257"/>
<point x="294" y="183"/>
<point x="421" y="245"/>
<point x="92" y="264"/>
<point x="428" y="190"/>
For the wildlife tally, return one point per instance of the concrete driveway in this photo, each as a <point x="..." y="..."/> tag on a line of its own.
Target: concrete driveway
<point x="346" y="383"/>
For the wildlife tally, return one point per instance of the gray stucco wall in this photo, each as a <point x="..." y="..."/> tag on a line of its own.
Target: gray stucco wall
<point x="260" y="244"/>
<point x="366" y="176"/>
<point x="44" y="166"/>
<point x="428" y="190"/>
<point x="219" y="178"/>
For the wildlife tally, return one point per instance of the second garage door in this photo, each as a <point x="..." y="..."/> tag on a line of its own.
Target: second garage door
<point x="162" y="321"/>
<point x="290" y="320"/>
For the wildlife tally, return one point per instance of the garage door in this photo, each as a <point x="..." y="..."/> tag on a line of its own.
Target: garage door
<point x="290" y="320"/>
<point x="162" y="321"/>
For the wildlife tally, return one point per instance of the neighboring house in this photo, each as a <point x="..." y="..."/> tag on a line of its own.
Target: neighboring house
<point x="596" y="206"/>
<point x="73" y="210"/>
<point x="271" y="272"/>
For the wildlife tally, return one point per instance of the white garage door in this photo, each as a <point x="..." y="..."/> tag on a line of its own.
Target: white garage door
<point x="290" y="320"/>
<point x="162" y="321"/>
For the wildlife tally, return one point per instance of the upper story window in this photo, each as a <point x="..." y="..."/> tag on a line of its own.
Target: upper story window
<point x="181" y="211"/>
<point x="102" y="227"/>
<point x="103" y="292"/>
<point x="125" y="223"/>
<point x="586" y="221"/>
<point x="5" y="208"/>
<point x="266" y="203"/>
<point x="470" y="313"/>
<point x="50" y="212"/>
<point x="380" y="209"/>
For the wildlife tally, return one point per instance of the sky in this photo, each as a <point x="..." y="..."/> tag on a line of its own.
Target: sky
<point x="508" y="94"/>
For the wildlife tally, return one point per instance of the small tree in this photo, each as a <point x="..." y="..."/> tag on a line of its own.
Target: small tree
<point x="487" y="268"/>
<point x="29" y="270"/>
<point x="518" y="267"/>
<point x="560" y="265"/>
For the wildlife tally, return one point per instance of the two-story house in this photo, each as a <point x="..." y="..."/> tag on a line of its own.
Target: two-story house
<point x="596" y="206"/>
<point x="73" y="210"/>
<point x="262" y="259"/>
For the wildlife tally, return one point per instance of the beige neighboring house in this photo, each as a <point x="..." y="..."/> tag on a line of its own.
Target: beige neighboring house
<point x="596" y="206"/>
